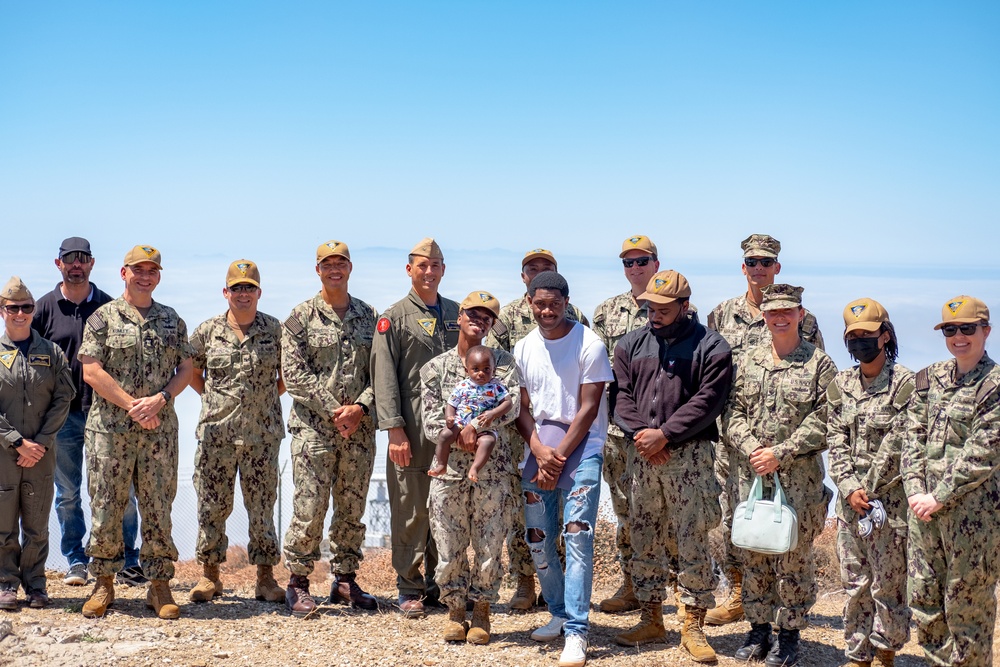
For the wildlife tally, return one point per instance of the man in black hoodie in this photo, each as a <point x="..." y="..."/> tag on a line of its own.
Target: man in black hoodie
<point x="673" y="377"/>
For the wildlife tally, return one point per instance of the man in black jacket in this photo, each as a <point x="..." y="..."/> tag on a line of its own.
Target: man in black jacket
<point x="673" y="377"/>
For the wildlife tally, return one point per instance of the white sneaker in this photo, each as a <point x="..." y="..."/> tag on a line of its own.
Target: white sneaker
<point x="574" y="652"/>
<point x="550" y="630"/>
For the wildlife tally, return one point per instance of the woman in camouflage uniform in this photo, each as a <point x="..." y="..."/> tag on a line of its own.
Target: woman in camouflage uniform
<point x="465" y="513"/>
<point x="867" y="419"/>
<point x="776" y="422"/>
<point x="949" y="462"/>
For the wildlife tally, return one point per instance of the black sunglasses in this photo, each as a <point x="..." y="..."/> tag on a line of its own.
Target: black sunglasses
<point x="950" y="330"/>
<point x="641" y="261"/>
<point x="76" y="257"/>
<point x="29" y="308"/>
<point x="751" y="262"/>
<point x="242" y="287"/>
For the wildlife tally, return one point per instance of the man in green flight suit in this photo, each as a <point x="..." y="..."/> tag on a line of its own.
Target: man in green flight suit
<point x="410" y="333"/>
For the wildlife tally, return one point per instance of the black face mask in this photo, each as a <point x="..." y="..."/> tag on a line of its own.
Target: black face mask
<point x="864" y="350"/>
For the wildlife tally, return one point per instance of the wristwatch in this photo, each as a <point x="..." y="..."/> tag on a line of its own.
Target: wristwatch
<point x="165" y="394"/>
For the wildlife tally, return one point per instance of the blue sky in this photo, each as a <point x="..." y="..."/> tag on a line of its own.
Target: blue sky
<point x="846" y="129"/>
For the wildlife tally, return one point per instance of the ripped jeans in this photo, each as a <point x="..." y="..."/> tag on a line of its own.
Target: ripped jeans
<point x="568" y="595"/>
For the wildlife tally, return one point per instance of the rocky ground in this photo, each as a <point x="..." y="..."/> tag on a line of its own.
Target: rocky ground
<point x="238" y="630"/>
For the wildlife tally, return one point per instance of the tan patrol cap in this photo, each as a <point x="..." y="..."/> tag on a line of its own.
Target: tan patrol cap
<point x="962" y="310"/>
<point x="143" y="253"/>
<point x="864" y="314"/>
<point x="243" y="271"/>
<point x="428" y="248"/>
<point x="761" y="245"/>
<point x="333" y="248"/>
<point x="15" y="290"/>
<point x="481" y="300"/>
<point x="539" y="253"/>
<point x="638" y="242"/>
<point x="781" y="296"/>
<point x="666" y="287"/>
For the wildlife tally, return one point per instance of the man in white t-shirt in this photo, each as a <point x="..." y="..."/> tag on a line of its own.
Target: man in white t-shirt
<point x="564" y="367"/>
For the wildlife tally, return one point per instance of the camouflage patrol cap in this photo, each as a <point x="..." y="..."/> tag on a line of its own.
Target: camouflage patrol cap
<point x="666" y="287"/>
<point x="143" y="253"/>
<point x="780" y="296"/>
<point x="243" y="271"/>
<point x="638" y="242"/>
<point x="761" y="245"/>
<point x="428" y="248"/>
<point x="15" y="290"/>
<point x="864" y="314"/>
<point x="481" y="299"/>
<point x="539" y="253"/>
<point x="963" y="309"/>
<point x="329" y="248"/>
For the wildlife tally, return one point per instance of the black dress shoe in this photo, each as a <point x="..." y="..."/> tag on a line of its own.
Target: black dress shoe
<point x="757" y="643"/>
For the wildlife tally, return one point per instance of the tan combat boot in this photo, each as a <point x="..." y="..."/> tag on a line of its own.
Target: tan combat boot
<point x="623" y="600"/>
<point x="693" y="636"/>
<point x="650" y="628"/>
<point x="100" y="598"/>
<point x="681" y="610"/>
<point x="524" y="597"/>
<point x="884" y="658"/>
<point x="455" y="627"/>
<point x="159" y="599"/>
<point x="208" y="587"/>
<point x="267" y="589"/>
<point x="731" y="610"/>
<point x="479" y="633"/>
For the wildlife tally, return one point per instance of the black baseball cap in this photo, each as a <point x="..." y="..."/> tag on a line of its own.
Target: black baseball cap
<point x="74" y="244"/>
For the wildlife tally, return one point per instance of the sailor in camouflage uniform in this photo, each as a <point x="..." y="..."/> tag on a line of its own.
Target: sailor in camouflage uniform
<point x="410" y="333"/>
<point x="325" y="361"/>
<point x="776" y="422"/>
<point x="672" y="379"/>
<point x="35" y="400"/>
<point x="515" y="322"/>
<point x="237" y="372"/>
<point x="950" y="463"/>
<point x="614" y="318"/>
<point x="741" y="323"/>
<point x="463" y="512"/>
<point x="865" y="429"/>
<point x="137" y="358"/>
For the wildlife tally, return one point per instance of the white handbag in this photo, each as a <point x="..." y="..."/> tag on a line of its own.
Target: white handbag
<point x="765" y="526"/>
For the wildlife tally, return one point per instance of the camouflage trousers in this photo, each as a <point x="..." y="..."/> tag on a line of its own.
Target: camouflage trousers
<point x="321" y="469"/>
<point x="781" y="588"/>
<point x="25" y="504"/>
<point x="873" y="571"/>
<point x="674" y="506"/>
<point x="953" y="569"/>
<point x="518" y="552"/>
<point x="728" y="499"/>
<point x="215" y="468"/>
<point x="116" y="461"/>
<point x="617" y="450"/>
<point x="466" y="514"/>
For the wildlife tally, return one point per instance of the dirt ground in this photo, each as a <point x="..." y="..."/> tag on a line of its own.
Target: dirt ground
<point x="236" y="629"/>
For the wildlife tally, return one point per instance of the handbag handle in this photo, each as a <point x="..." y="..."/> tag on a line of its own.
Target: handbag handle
<point x="757" y="493"/>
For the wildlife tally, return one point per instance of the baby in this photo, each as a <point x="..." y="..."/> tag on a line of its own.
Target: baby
<point x="479" y="395"/>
